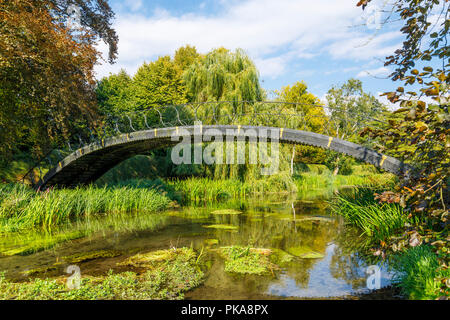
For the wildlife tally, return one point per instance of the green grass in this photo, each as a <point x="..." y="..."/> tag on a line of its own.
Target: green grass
<point x="23" y="208"/>
<point x="377" y="221"/>
<point x="418" y="274"/>
<point x="363" y="176"/>
<point x="204" y="189"/>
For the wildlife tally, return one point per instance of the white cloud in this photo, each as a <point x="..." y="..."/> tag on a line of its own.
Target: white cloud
<point x="378" y="72"/>
<point x="271" y="67"/>
<point x="274" y="33"/>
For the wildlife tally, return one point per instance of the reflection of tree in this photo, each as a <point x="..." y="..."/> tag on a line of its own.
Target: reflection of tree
<point x="350" y="256"/>
<point x="346" y="267"/>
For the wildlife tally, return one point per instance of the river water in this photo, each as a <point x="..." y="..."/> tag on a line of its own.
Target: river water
<point x="337" y="270"/>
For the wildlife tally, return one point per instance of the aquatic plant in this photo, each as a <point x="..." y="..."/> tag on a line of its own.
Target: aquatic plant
<point x="377" y="221"/>
<point x="418" y="274"/>
<point x="246" y="260"/>
<point x="168" y="278"/>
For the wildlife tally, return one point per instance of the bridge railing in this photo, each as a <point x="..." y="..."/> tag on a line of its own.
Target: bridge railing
<point x="309" y="117"/>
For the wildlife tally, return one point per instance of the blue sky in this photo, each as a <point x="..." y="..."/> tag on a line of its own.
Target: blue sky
<point x="322" y="42"/>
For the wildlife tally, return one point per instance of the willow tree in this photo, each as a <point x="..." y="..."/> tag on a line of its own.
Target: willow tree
<point x="222" y="75"/>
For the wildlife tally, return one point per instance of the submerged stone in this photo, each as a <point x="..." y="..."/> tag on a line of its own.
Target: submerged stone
<point x="281" y="257"/>
<point x="39" y="270"/>
<point x="226" y="211"/>
<point x="304" y="252"/>
<point x="211" y="242"/>
<point x="91" y="255"/>
<point x="221" y="226"/>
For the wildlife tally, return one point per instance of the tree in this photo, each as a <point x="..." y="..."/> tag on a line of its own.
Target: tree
<point x="185" y="57"/>
<point x="350" y="110"/>
<point x="46" y="70"/>
<point x="313" y="118"/>
<point x="158" y="84"/>
<point x="223" y="76"/>
<point x="114" y="94"/>
<point x="419" y="132"/>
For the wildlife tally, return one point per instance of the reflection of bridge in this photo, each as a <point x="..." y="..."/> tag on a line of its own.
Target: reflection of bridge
<point x="132" y="135"/>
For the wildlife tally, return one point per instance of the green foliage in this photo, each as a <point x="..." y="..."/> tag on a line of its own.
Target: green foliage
<point x="204" y="189"/>
<point x="418" y="275"/>
<point x="223" y="76"/>
<point x="138" y="167"/>
<point x="185" y="57"/>
<point x="378" y="221"/>
<point x="158" y="84"/>
<point x="350" y="111"/>
<point x="319" y="177"/>
<point x="351" y="108"/>
<point x="21" y="207"/>
<point x="114" y="94"/>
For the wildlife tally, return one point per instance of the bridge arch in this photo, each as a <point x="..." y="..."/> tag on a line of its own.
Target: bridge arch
<point x="89" y="163"/>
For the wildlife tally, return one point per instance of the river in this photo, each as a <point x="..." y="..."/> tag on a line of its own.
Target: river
<point x="327" y="262"/>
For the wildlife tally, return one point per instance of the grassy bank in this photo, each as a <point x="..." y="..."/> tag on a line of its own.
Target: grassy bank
<point x="416" y="268"/>
<point x="418" y="273"/>
<point x="320" y="177"/>
<point x="316" y="177"/>
<point x="23" y="208"/>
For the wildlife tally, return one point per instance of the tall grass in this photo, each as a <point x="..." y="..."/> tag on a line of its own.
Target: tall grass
<point x="325" y="179"/>
<point x="204" y="189"/>
<point x="417" y="273"/>
<point x="21" y="207"/>
<point x="377" y="221"/>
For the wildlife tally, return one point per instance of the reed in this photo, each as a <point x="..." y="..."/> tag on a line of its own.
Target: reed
<point x="417" y="273"/>
<point x="377" y="221"/>
<point x="21" y="207"/>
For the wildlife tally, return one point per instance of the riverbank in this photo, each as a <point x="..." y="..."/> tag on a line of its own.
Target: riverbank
<point x="418" y="273"/>
<point x="23" y="208"/>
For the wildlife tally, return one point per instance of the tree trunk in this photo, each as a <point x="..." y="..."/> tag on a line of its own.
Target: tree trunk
<point x="292" y="160"/>
<point x="336" y="169"/>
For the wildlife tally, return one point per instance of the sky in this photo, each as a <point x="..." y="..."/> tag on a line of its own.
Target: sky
<point x="321" y="42"/>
